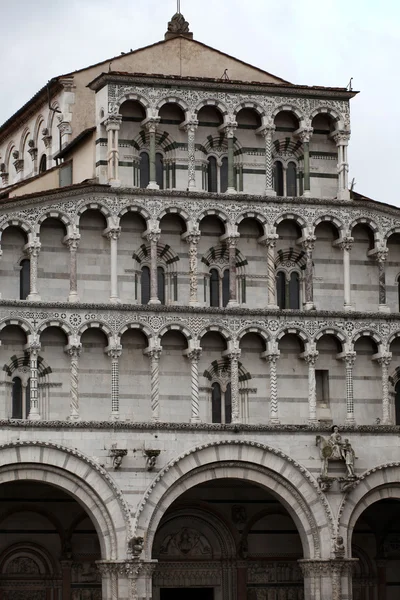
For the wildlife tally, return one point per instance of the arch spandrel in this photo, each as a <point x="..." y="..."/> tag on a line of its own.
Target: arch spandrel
<point x="254" y="462"/>
<point x="79" y="476"/>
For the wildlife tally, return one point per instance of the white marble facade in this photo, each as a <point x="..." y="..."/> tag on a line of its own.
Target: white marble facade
<point x="176" y="355"/>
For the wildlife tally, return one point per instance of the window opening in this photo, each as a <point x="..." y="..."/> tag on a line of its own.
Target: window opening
<point x="160" y="170"/>
<point x="144" y="170"/>
<point x="24" y="279"/>
<point x="212" y="174"/>
<point x="145" y="285"/>
<point x="161" y="284"/>
<point x="291" y="179"/>
<point x="322" y="386"/>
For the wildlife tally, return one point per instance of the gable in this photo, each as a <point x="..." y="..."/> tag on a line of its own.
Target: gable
<point x="186" y="58"/>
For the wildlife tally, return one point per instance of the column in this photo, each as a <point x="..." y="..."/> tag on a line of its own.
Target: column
<point x="311" y="357"/>
<point x="73" y="244"/>
<point x="349" y="359"/>
<point x="234" y="355"/>
<point x="230" y="133"/>
<point x="33" y="249"/>
<point x="190" y="128"/>
<point x="66" y="569"/>
<point x="232" y="240"/>
<point x="113" y="235"/>
<point x="346" y="244"/>
<point x="34" y="349"/>
<point x="308" y="247"/>
<point x="113" y="124"/>
<point x="381" y="257"/>
<point x="153" y="237"/>
<point x="193" y="355"/>
<point x="154" y="354"/>
<point x="384" y="359"/>
<point x="74" y="352"/>
<point x="305" y="137"/>
<point x="269" y="184"/>
<point x="115" y="354"/>
<point x="192" y="238"/>
<point x="269" y="242"/>
<point x="151" y="127"/>
<point x="272" y="356"/>
<point x="326" y="579"/>
<point x="342" y="141"/>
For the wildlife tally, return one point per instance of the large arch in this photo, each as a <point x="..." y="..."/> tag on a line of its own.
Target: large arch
<point x="254" y="462"/>
<point x="80" y="477"/>
<point x="377" y="484"/>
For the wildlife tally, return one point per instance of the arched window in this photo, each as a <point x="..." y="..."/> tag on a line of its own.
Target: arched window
<point x="145" y="285"/>
<point x="161" y="284"/>
<point x="216" y="407"/>
<point x="16" y="398"/>
<point x="397" y="404"/>
<point x="281" y="289"/>
<point x="43" y="164"/>
<point x="288" y="290"/>
<point x="24" y="279"/>
<point x="214" y="288"/>
<point x="225" y="288"/>
<point x="291" y="180"/>
<point x="294" y="291"/>
<point x="144" y="169"/>
<point x="212" y="174"/>
<point x="21" y="399"/>
<point x="224" y="175"/>
<point x="159" y="170"/>
<point x="278" y="178"/>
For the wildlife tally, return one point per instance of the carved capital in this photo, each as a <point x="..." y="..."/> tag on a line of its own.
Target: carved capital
<point x="272" y="357"/>
<point x="190" y="126"/>
<point x="113" y="122"/>
<point x="113" y="234"/>
<point x="385" y="359"/>
<point x="308" y="244"/>
<point x="346" y="243"/>
<point x="193" y="237"/>
<point x="311" y="357"/>
<point x="153" y="236"/>
<point x="194" y="354"/>
<point x="153" y="353"/>
<point x="382" y="254"/>
<point x="33" y="248"/>
<point x="19" y="165"/>
<point x="151" y="125"/>
<point x="74" y="351"/>
<point x="72" y="241"/>
<point x="305" y="135"/>
<point x="341" y="137"/>
<point x="350" y="358"/>
<point x="115" y="352"/>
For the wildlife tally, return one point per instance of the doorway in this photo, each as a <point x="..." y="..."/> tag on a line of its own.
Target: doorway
<point x="187" y="594"/>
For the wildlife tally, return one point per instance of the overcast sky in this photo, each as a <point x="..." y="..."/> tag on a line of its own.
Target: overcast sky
<point x="312" y="42"/>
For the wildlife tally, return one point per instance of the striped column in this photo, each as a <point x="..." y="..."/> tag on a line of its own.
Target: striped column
<point x="268" y="133"/>
<point x="34" y="349"/>
<point x="74" y="351"/>
<point x="154" y="354"/>
<point x="115" y="354"/>
<point x="193" y="355"/>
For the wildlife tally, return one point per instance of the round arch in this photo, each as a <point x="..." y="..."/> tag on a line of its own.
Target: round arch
<point x="253" y="105"/>
<point x="139" y="327"/>
<point x="215" y="328"/>
<point x="15" y="222"/>
<point x="80" y="477"/>
<point x="250" y="214"/>
<point x="93" y="206"/>
<point x="334" y="332"/>
<point x="59" y="324"/>
<point x="54" y="214"/>
<point x="135" y="208"/>
<point x="26" y="327"/>
<point x="289" y="329"/>
<point x="369" y="333"/>
<point x="132" y="96"/>
<point x="212" y="102"/>
<point x="328" y="110"/>
<point x="213" y="212"/>
<point x="365" y="221"/>
<point x="379" y="483"/>
<point x="175" y="210"/>
<point x="39" y="124"/>
<point x="254" y="329"/>
<point x="175" y="327"/>
<point x="173" y="100"/>
<point x="288" y="108"/>
<point x="96" y="325"/>
<point x="291" y="217"/>
<point x="254" y="462"/>
<point x="330" y="219"/>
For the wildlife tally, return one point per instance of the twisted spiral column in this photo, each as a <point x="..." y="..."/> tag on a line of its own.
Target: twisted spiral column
<point x="193" y="239"/>
<point x="194" y="357"/>
<point x="74" y="353"/>
<point x="154" y="354"/>
<point x="234" y="356"/>
<point x="114" y="585"/>
<point x="191" y="131"/>
<point x="308" y="247"/>
<point x="270" y="243"/>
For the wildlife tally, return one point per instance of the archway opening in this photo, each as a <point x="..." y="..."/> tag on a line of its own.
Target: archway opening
<point x="376" y="544"/>
<point x="48" y="547"/>
<point x="231" y="539"/>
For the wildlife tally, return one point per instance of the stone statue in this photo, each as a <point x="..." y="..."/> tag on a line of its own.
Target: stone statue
<point x="335" y="449"/>
<point x="178" y="24"/>
<point x="339" y="550"/>
<point x="136" y="545"/>
<point x="349" y="457"/>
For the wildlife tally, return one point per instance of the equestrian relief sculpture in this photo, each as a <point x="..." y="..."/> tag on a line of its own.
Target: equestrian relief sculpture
<point x="335" y="448"/>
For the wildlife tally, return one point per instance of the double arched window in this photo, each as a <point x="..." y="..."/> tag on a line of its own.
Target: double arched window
<point x="24" y="279"/>
<point x="21" y="398"/>
<point x="219" y="287"/>
<point x="221" y="403"/>
<point x="217" y="180"/>
<point x="288" y="289"/>
<point x="144" y="169"/>
<point x="285" y="178"/>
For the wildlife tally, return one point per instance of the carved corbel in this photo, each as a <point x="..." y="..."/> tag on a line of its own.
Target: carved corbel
<point x="117" y="454"/>
<point x="151" y="458"/>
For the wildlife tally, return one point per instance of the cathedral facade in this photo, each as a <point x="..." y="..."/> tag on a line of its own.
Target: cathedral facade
<point x="200" y="340"/>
